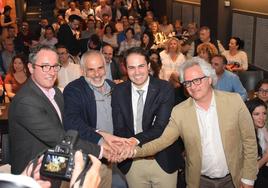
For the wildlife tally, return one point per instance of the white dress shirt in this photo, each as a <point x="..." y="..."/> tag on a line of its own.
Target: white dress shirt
<point x="135" y="96"/>
<point x="214" y="163"/>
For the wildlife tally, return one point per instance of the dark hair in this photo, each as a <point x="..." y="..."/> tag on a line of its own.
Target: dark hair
<point x="254" y="103"/>
<point x="151" y="39"/>
<point x="74" y="17"/>
<point x="130" y="29"/>
<point x="223" y="58"/>
<point x="32" y="55"/>
<point x="112" y="29"/>
<point x="7" y="8"/>
<point x="136" y="50"/>
<point x="49" y="27"/>
<point x="59" y="45"/>
<point x="24" y="62"/>
<point x="240" y="43"/>
<point x="259" y="84"/>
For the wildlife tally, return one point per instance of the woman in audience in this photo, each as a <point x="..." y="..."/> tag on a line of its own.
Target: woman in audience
<point x="87" y="10"/>
<point x="166" y="27"/>
<point x="171" y="59"/>
<point x="99" y="28"/>
<point x="17" y="76"/>
<point x="110" y="36"/>
<point x="134" y="9"/>
<point x="147" y="40"/>
<point x="159" y="37"/>
<point x="155" y="63"/>
<point x="206" y="51"/>
<point x="236" y="57"/>
<point x="258" y="110"/>
<point x="261" y="90"/>
<point x="129" y="42"/>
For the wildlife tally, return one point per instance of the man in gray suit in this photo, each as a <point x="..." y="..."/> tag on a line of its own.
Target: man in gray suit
<point x="35" y="114"/>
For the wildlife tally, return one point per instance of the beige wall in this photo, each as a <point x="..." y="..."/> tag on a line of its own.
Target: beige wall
<point x="260" y="6"/>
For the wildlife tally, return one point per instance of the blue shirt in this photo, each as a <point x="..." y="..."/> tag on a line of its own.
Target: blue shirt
<point x="231" y="82"/>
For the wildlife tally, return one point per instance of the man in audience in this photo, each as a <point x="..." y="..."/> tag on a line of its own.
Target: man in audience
<point x="217" y="131"/>
<point x="205" y="37"/>
<point x="69" y="70"/>
<point x="112" y="68"/>
<point x="103" y="8"/>
<point x="68" y="35"/>
<point x="88" y="108"/>
<point x="36" y="112"/>
<point x="6" y="55"/>
<point x="72" y="11"/>
<point x="141" y="109"/>
<point x="227" y="81"/>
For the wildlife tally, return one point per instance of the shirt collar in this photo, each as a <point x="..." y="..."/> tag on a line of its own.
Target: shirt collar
<point x="50" y="93"/>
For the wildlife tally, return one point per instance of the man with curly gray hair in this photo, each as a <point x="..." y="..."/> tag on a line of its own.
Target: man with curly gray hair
<point x="217" y="131"/>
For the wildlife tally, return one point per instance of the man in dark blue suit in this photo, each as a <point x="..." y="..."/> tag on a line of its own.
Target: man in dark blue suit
<point x="88" y="107"/>
<point x="141" y="109"/>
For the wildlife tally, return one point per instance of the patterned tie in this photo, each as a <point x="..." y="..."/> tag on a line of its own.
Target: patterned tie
<point x="140" y="106"/>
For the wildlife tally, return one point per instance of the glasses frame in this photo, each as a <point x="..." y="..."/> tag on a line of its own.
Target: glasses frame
<point x="196" y="81"/>
<point x="47" y="68"/>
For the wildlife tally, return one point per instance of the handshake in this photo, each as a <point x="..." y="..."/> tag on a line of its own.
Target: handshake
<point x="117" y="149"/>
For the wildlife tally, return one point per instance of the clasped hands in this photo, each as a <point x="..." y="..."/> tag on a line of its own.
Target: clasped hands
<point x="117" y="149"/>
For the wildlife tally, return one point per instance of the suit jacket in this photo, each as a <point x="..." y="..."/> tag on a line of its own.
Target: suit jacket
<point x="115" y="70"/>
<point x="67" y="38"/>
<point x="237" y="135"/>
<point x="80" y="111"/>
<point x="157" y="109"/>
<point x="34" y="126"/>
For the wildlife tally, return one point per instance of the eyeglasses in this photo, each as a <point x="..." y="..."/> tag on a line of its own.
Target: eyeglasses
<point x="263" y="91"/>
<point x="46" y="68"/>
<point x="196" y="81"/>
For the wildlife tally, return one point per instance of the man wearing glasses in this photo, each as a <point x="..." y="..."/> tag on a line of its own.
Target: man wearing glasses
<point x="217" y="131"/>
<point x="36" y="113"/>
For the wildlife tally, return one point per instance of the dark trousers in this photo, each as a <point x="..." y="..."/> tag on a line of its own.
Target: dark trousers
<point x="225" y="182"/>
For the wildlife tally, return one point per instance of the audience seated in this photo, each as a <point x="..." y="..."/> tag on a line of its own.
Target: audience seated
<point x="129" y="42"/>
<point x="87" y="10"/>
<point x="72" y="11"/>
<point x="49" y="37"/>
<point x="6" y="55"/>
<point x="103" y="8"/>
<point x="236" y="57"/>
<point x="227" y="81"/>
<point x="147" y="40"/>
<point x="166" y="27"/>
<point x="109" y="36"/>
<point x="206" y="51"/>
<point x="17" y="75"/>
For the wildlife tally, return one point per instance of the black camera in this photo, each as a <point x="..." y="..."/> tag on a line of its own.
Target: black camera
<point x="59" y="162"/>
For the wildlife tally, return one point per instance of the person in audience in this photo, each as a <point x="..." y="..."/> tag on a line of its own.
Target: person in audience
<point x="2" y="92"/>
<point x="39" y="33"/>
<point x="147" y="41"/>
<point x="103" y="8"/>
<point x="90" y="29"/>
<point x="236" y="57"/>
<point x="68" y="34"/>
<point x="72" y="11"/>
<point x="69" y="70"/>
<point x="205" y="37"/>
<point x="11" y="33"/>
<point x="159" y="37"/>
<point x="192" y="30"/>
<point x="155" y="63"/>
<point x="6" y="20"/>
<point x="171" y="59"/>
<point x="23" y="39"/>
<point x="87" y="107"/>
<point x="118" y="10"/>
<point x="206" y="51"/>
<point x="261" y="90"/>
<point x="220" y="144"/>
<point x="134" y="10"/>
<point x="99" y="28"/>
<point x="49" y="37"/>
<point x="17" y="75"/>
<point x="178" y="29"/>
<point x="61" y="7"/>
<point x="258" y="111"/>
<point x="56" y="25"/>
<point x="109" y="36"/>
<point x="129" y="42"/>
<point x="6" y="55"/>
<point x="112" y="68"/>
<point x="227" y="81"/>
<point x="87" y="10"/>
<point x="36" y="114"/>
<point x="141" y="108"/>
<point x="165" y="26"/>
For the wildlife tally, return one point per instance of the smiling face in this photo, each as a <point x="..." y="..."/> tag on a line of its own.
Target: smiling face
<point x="18" y="65"/>
<point x="94" y="69"/>
<point x="44" y="79"/>
<point x="137" y="69"/>
<point x="259" y="116"/>
<point x="198" y="92"/>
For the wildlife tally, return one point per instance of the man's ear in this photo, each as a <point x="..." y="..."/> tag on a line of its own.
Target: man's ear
<point x="149" y="66"/>
<point x="30" y="67"/>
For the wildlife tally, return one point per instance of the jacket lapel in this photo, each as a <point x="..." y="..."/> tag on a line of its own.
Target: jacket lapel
<point x="127" y="102"/>
<point x="150" y="98"/>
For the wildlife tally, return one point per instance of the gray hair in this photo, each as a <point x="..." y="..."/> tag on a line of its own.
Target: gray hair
<point x="91" y="53"/>
<point x="205" y="67"/>
<point x="33" y="55"/>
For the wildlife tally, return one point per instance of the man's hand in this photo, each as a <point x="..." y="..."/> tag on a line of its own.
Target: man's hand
<point x="92" y="179"/>
<point x="36" y="174"/>
<point x="242" y="185"/>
